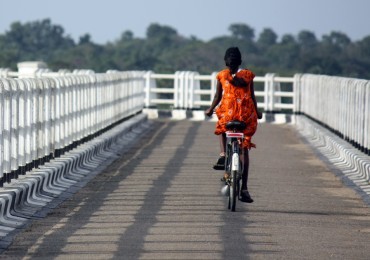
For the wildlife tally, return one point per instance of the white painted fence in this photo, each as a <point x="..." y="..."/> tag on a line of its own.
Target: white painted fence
<point x="186" y="92"/>
<point x="341" y="104"/>
<point x="43" y="116"/>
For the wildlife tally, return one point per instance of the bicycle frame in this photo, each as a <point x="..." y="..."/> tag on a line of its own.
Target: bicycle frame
<point x="233" y="137"/>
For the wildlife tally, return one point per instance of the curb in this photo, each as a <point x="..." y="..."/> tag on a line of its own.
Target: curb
<point x="350" y="164"/>
<point x="198" y="115"/>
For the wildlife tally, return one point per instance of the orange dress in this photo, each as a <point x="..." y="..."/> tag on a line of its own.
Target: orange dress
<point x="237" y="104"/>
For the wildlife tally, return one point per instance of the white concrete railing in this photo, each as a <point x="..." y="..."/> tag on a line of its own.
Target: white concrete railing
<point x="341" y="104"/>
<point x="43" y="116"/>
<point x="186" y="92"/>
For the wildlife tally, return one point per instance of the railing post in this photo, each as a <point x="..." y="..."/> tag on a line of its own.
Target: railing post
<point x="193" y="86"/>
<point x="2" y="90"/>
<point x="99" y="111"/>
<point x="63" y="108"/>
<point x="28" y="122"/>
<point x="70" y="113"/>
<point x="139" y="86"/>
<point x="186" y="90"/>
<point x="367" y="119"/>
<point x="74" y="106"/>
<point x="268" y="92"/>
<point x="14" y="127"/>
<point x="54" y="117"/>
<point x="93" y="85"/>
<point x="213" y="83"/>
<point x="297" y="93"/>
<point x="176" y="86"/>
<point x="40" y="123"/>
<point x="182" y="89"/>
<point x="148" y="86"/>
<point x="7" y="112"/>
<point x="22" y="132"/>
<point x="275" y="88"/>
<point x="150" y="83"/>
<point x="80" y="107"/>
<point x="49" y="110"/>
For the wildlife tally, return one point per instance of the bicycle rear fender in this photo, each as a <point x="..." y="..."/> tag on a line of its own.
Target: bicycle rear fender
<point x="235" y="162"/>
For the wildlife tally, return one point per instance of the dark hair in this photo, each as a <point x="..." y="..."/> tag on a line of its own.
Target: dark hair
<point x="233" y="56"/>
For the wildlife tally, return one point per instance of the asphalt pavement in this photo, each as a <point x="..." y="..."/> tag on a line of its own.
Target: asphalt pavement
<point x="161" y="200"/>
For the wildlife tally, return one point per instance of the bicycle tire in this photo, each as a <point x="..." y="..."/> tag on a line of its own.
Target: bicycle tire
<point x="235" y="185"/>
<point x="228" y="162"/>
<point x="233" y="190"/>
<point x="228" y="158"/>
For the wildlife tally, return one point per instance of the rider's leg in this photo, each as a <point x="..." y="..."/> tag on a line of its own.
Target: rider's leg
<point x="245" y="196"/>
<point x="245" y="160"/>
<point x="220" y="164"/>
<point x="222" y="143"/>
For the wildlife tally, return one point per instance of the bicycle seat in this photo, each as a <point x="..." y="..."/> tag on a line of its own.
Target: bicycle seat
<point x="235" y="125"/>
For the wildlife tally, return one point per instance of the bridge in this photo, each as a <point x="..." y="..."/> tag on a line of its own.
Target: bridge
<point x="118" y="165"/>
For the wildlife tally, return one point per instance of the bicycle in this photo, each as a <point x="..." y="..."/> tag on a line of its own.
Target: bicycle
<point x="233" y="164"/>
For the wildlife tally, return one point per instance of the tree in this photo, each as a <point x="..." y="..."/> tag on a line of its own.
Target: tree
<point x="37" y="40"/>
<point x="127" y="36"/>
<point x="267" y="38"/>
<point x="8" y="54"/>
<point x="242" y="31"/>
<point x="337" y="39"/>
<point x="308" y="55"/>
<point x="283" y="56"/>
<point x="288" y="39"/>
<point x="85" y="39"/>
<point x="358" y="62"/>
<point x="307" y="39"/>
<point x="165" y="51"/>
<point x="158" y="31"/>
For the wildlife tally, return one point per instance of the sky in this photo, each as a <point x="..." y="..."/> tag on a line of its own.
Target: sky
<point x="106" y="20"/>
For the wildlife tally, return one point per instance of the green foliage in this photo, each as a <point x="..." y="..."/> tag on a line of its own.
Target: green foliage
<point x="34" y="41"/>
<point x="165" y="51"/>
<point x="267" y="38"/>
<point x="242" y="31"/>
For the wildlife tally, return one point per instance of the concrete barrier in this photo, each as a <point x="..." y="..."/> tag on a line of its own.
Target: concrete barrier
<point x="352" y="165"/>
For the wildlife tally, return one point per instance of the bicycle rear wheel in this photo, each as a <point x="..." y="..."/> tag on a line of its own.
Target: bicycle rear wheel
<point x="235" y="177"/>
<point x="228" y="162"/>
<point x="234" y="190"/>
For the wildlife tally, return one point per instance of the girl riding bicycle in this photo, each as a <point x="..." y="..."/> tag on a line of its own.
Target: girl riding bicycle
<point x="235" y="93"/>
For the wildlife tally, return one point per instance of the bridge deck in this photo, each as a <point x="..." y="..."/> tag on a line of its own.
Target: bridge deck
<point x="162" y="200"/>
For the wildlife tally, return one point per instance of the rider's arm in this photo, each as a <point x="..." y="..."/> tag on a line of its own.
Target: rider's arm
<point x="216" y="99"/>
<point x="259" y="114"/>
